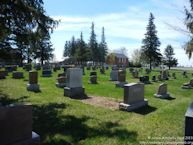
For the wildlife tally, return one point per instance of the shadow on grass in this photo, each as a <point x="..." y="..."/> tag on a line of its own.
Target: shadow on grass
<point x="145" y="110"/>
<point x="6" y="100"/>
<point x="49" y="122"/>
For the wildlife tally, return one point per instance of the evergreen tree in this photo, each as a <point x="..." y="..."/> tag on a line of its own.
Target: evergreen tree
<point x="93" y="45"/>
<point x="169" y="59"/>
<point x="67" y="49"/>
<point x="82" y="50"/>
<point x="19" y="20"/>
<point x="189" y="25"/>
<point x="151" y="43"/>
<point x="103" y="47"/>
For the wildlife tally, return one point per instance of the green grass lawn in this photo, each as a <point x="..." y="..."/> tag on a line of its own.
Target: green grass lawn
<point x="60" y="120"/>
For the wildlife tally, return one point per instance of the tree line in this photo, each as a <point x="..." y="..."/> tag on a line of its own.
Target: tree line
<point x="25" y="31"/>
<point x="77" y="50"/>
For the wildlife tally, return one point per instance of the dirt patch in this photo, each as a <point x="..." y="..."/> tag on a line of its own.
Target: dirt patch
<point x="102" y="102"/>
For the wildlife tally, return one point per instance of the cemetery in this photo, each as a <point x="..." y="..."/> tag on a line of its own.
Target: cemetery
<point x="62" y="84"/>
<point x="75" y="111"/>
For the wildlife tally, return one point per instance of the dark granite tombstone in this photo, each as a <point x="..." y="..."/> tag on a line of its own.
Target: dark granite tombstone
<point x="188" y="138"/>
<point x="46" y="73"/>
<point x="133" y="97"/>
<point x="144" y="79"/>
<point x="2" y="74"/>
<point x="154" y="78"/>
<point x="17" y="75"/>
<point x="8" y="68"/>
<point x="37" y="66"/>
<point x="93" y="77"/>
<point x="16" y="126"/>
<point x="28" y="67"/>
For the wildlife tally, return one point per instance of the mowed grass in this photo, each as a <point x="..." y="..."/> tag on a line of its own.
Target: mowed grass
<point x="60" y="120"/>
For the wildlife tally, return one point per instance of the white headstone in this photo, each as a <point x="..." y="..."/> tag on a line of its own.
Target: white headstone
<point x="74" y="78"/>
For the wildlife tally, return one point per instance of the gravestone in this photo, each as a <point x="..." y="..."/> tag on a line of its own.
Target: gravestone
<point x="74" y="87"/>
<point x="174" y="75"/>
<point x="3" y="74"/>
<point x="164" y="75"/>
<point x="144" y="79"/>
<point x="159" y="78"/>
<point x="188" y="85"/>
<point x="37" y="66"/>
<point x="28" y="67"/>
<point x="61" y="82"/>
<point x="133" y="97"/>
<point x="93" y="77"/>
<point x="162" y="91"/>
<point x="16" y="126"/>
<point x="188" y="136"/>
<point x="8" y="68"/>
<point x="17" y="75"/>
<point x="47" y="73"/>
<point x="153" y="78"/>
<point x="184" y="74"/>
<point x="14" y="67"/>
<point x="121" y="78"/>
<point x="33" y="82"/>
<point x="114" y="75"/>
<point x="135" y="73"/>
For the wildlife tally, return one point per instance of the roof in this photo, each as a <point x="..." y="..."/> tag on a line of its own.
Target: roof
<point x="119" y="55"/>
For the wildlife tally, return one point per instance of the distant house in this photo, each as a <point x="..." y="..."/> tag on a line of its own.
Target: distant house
<point x="117" y="59"/>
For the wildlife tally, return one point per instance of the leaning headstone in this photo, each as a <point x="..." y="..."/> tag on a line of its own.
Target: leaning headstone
<point x="16" y="126"/>
<point x="188" y="137"/>
<point x="93" y="77"/>
<point x="133" y="97"/>
<point x="74" y="86"/>
<point x="188" y="85"/>
<point x="121" y="79"/>
<point x="33" y="82"/>
<point x="61" y="82"/>
<point x="162" y="92"/>
<point x="114" y="75"/>
<point x="17" y="75"/>
<point x="3" y="74"/>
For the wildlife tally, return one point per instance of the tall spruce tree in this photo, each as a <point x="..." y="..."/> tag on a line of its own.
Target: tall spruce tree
<point x="189" y="25"/>
<point x="169" y="60"/>
<point x="151" y="43"/>
<point x="103" y="47"/>
<point x="93" y="45"/>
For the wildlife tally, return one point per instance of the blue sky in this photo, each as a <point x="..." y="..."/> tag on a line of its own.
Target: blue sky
<point x="125" y="23"/>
